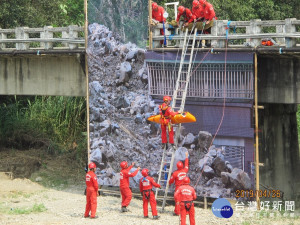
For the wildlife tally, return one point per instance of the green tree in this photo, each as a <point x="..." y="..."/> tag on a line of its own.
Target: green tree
<point x="39" y="13"/>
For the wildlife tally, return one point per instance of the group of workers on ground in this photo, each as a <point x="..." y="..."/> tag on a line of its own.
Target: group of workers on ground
<point x="184" y="193"/>
<point x="202" y="11"/>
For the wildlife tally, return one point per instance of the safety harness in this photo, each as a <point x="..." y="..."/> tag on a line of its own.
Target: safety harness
<point x="146" y="193"/>
<point x="188" y="205"/>
<point x="165" y="119"/>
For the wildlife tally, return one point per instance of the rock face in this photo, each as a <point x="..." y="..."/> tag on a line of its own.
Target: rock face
<point x="119" y="130"/>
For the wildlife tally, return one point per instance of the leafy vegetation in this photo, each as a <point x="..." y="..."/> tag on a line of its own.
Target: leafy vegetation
<point x="36" y="208"/>
<point x="57" y="124"/>
<point x="39" y="13"/>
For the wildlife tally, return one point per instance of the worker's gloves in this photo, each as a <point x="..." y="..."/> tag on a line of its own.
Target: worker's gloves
<point x="155" y="22"/>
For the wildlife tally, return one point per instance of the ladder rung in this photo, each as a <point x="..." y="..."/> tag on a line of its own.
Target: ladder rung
<point x="182" y="81"/>
<point x="185" y="62"/>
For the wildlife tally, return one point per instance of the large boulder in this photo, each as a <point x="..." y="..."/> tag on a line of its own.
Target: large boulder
<point x="125" y="72"/>
<point x="96" y="157"/>
<point x="204" y="140"/>
<point x="219" y="166"/>
<point x="237" y="179"/>
<point x="188" y="140"/>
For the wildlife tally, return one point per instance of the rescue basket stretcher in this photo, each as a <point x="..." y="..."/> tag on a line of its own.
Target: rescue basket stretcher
<point x="185" y="117"/>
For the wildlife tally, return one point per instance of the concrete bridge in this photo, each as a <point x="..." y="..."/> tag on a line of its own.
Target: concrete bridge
<point x="42" y="61"/>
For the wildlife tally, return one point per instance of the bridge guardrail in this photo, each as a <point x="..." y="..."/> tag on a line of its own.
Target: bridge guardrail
<point x="47" y="38"/>
<point x="286" y="33"/>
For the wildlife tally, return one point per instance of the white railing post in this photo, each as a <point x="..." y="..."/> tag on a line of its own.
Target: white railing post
<point x="3" y="36"/>
<point x="45" y="35"/>
<point x="255" y="29"/>
<point x="73" y="33"/>
<point x="156" y="32"/>
<point x="65" y="34"/>
<point x="21" y="34"/>
<point x="280" y="30"/>
<point x="214" y="32"/>
<point x="221" y="31"/>
<point x="289" y="29"/>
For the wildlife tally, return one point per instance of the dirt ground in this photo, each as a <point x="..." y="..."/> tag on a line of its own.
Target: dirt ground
<point x="58" y="201"/>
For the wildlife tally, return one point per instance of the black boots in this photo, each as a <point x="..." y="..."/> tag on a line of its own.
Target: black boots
<point x="124" y="209"/>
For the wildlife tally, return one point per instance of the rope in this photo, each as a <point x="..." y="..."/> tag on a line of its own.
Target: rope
<point x="223" y="107"/>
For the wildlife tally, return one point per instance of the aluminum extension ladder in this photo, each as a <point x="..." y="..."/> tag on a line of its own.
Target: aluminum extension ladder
<point x="179" y="95"/>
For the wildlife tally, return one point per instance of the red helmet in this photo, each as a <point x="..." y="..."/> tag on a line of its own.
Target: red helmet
<point x="179" y="165"/>
<point x="154" y="5"/>
<point x="195" y="3"/>
<point x="181" y="9"/>
<point x="186" y="180"/>
<point x="124" y="165"/>
<point x="202" y="1"/>
<point x="167" y="98"/>
<point x="92" y="165"/>
<point x="145" y="172"/>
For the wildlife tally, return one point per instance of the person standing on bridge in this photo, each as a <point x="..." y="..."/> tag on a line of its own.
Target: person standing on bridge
<point x="209" y="16"/>
<point x="198" y="11"/>
<point x="158" y="15"/>
<point x="178" y="177"/>
<point x="185" y="195"/>
<point x="166" y="113"/>
<point x="124" y="184"/>
<point x="91" y="192"/>
<point x="146" y="184"/>
<point x="187" y="15"/>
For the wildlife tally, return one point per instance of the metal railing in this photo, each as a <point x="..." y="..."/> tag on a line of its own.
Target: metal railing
<point x="47" y="38"/>
<point x="239" y="33"/>
<point x="207" y="81"/>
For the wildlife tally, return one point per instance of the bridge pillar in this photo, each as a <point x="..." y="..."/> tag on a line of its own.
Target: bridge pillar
<point x="3" y="36"/>
<point x="279" y="149"/>
<point x="22" y="34"/>
<point x="71" y="33"/>
<point x="290" y="28"/>
<point x="47" y="34"/>
<point x="254" y="28"/>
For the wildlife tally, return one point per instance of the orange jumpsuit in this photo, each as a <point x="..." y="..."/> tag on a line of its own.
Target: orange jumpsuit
<point x="166" y="113"/>
<point x="178" y="176"/>
<point x="188" y="16"/>
<point x="146" y="184"/>
<point x="159" y="16"/>
<point x="124" y="185"/>
<point x="91" y="194"/>
<point x="198" y="12"/>
<point x="209" y="12"/>
<point x="185" y="195"/>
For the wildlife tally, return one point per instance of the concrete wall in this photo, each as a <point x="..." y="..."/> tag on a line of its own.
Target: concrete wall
<point x="279" y="79"/>
<point x="60" y="75"/>
<point x="279" y="149"/>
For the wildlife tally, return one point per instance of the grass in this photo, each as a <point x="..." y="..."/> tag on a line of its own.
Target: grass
<point x="55" y="124"/>
<point x="18" y="194"/>
<point x="36" y="208"/>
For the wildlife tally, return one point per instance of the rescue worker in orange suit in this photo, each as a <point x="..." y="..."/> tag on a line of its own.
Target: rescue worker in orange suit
<point x="124" y="184"/>
<point x="185" y="195"/>
<point x="187" y="15"/>
<point x="158" y="14"/>
<point x="91" y="192"/>
<point x="178" y="177"/>
<point x="146" y="184"/>
<point x="165" y="122"/>
<point x="209" y="15"/>
<point x="197" y="10"/>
